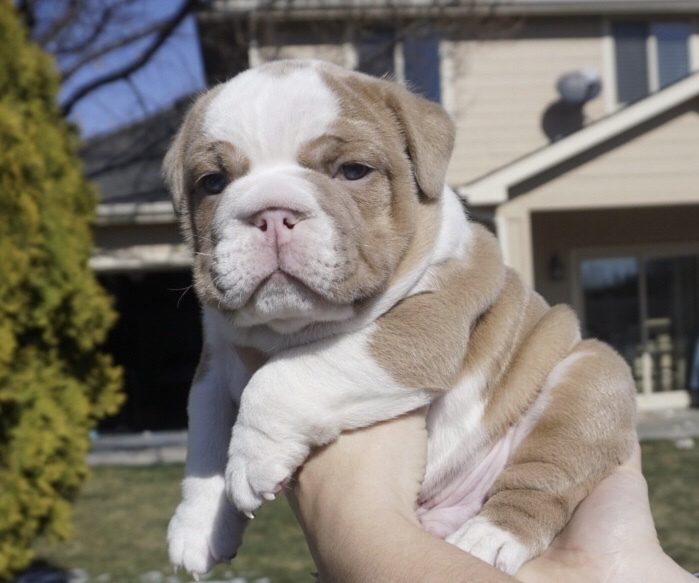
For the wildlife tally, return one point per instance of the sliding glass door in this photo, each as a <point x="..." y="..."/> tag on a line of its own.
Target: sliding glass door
<point x="646" y="305"/>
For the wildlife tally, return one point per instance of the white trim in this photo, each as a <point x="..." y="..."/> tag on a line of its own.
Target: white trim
<point x="255" y="54"/>
<point x="141" y="258"/>
<point x="135" y="213"/>
<point x="694" y="47"/>
<point x="493" y="188"/>
<point x="350" y="55"/>
<point x="374" y="8"/>
<point x="665" y="400"/>
<point x="652" y="64"/>
<point x="399" y="62"/>
<point x="447" y="76"/>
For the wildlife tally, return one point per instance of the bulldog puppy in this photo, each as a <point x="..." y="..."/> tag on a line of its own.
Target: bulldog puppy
<point x="342" y="284"/>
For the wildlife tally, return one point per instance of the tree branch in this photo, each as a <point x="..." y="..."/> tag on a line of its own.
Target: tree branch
<point x="165" y="32"/>
<point x="117" y="44"/>
<point x="71" y="11"/>
<point x="97" y="30"/>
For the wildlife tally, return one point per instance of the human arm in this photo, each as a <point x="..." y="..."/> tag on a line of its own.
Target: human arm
<point x="355" y="501"/>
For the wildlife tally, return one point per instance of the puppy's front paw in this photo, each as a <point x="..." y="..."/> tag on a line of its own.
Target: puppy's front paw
<point x="491" y="544"/>
<point x="203" y="533"/>
<point x="259" y="468"/>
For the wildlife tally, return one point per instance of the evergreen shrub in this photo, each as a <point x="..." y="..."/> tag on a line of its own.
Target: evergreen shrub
<point x="54" y="381"/>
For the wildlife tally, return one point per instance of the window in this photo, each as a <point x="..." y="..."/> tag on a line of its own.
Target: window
<point x="649" y="56"/>
<point x="646" y="305"/>
<point x="376" y="52"/>
<point x="413" y="58"/>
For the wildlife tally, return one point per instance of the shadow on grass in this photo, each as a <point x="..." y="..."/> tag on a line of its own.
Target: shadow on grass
<point x="42" y="571"/>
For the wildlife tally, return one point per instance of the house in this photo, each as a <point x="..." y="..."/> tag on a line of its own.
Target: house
<point x="576" y="142"/>
<point x="140" y="258"/>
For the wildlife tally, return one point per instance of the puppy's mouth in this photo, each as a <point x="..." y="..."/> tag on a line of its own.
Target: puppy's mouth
<point x="275" y="282"/>
<point x="286" y="304"/>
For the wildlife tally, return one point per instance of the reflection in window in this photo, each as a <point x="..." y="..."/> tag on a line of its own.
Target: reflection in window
<point x="611" y="302"/>
<point x="647" y="308"/>
<point x="639" y="62"/>
<point x="418" y="63"/>
<point x="672" y="39"/>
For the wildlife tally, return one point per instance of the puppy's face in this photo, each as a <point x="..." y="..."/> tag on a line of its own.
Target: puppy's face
<point x="300" y="187"/>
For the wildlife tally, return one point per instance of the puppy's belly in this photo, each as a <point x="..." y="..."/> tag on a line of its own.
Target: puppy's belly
<point x="463" y="495"/>
<point x="462" y="489"/>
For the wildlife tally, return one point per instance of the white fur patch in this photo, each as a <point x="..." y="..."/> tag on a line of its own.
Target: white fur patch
<point x="206" y="529"/>
<point x="491" y="544"/>
<point x="306" y="397"/>
<point x="303" y="106"/>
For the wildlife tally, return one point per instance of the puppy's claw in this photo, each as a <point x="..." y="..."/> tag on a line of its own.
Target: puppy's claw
<point x="281" y="485"/>
<point x="196" y="576"/>
<point x="269" y="496"/>
<point x="249" y="514"/>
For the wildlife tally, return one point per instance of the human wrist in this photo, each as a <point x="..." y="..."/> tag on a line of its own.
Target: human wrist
<point x="659" y="567"/>
<point x="652" y="567"/>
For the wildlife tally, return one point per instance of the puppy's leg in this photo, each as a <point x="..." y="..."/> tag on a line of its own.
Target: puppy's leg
<point x="206" y="529"/>
<point x="585" y="429"/>
<point x="302" y="398"/>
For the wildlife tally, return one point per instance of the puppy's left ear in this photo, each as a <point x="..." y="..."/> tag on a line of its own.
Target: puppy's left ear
<point x="429" y="133"/>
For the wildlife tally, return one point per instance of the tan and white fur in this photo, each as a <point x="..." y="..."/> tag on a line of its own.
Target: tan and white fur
<point x="342" y="285"/>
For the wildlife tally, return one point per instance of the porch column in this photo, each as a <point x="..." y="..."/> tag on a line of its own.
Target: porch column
<point x="514" y="230"/>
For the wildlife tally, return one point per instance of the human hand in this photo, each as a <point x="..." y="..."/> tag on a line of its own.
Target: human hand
<point x="611" y="537"/>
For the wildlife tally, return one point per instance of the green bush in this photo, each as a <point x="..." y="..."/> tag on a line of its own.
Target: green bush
<point x="54" y="382"/>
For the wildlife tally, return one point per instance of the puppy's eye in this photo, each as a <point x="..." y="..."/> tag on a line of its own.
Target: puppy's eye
<point x="354" y="171"/>
<point x="214" y="183"/>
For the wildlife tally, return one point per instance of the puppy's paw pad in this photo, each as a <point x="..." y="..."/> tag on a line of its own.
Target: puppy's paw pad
<point x="491" y="544"/>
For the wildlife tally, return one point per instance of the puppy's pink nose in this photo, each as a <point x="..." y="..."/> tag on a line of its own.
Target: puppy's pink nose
<point x="276" y="219"/>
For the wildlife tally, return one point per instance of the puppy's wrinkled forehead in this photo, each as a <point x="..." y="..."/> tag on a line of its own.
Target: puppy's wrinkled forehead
<point x="272" y="111"/>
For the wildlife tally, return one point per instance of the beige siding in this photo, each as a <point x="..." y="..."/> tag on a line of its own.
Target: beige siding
<point x="656" y="166"/>
<point x="499" y="89"/>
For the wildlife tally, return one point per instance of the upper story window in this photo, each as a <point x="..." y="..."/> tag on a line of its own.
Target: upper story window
<point x="649" y="56"/>
<point x="413" y="57"/>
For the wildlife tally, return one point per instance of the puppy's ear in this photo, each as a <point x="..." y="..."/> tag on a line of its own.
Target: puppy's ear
<point x="429" y="133"/>
<point x="173" y="170"/>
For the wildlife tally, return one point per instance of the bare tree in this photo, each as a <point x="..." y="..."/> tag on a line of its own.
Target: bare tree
<point x="83" y="32"/>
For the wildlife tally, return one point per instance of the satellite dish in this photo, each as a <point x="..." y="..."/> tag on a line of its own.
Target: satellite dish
<point x="579" y="87"/>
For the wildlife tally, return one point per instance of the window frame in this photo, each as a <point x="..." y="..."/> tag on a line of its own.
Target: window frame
<point x="399" y="63"/>
<point x="652" y="60"/>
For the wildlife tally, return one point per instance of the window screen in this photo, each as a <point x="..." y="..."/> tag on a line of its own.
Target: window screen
<point x="631" y="60"/>
<point x="672" y="39"/>
<point x="421" y="57"/>
<point x="376" y="52"/>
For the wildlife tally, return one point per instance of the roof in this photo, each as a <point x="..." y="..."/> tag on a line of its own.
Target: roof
<point x="494" y="187"/>
<point x="372" y="8"/>
<point x="126" y="163"/>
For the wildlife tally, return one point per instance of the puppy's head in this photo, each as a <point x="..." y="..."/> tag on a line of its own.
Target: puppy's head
<point x="301" y="186"/>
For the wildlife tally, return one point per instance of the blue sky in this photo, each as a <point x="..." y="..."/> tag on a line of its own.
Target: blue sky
<point x="175" y="71"/>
